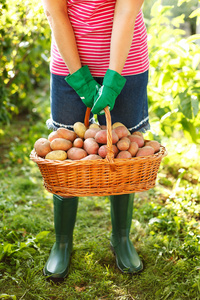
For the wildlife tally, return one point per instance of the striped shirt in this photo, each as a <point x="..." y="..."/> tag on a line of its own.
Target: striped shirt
<point x="92" y="24"/>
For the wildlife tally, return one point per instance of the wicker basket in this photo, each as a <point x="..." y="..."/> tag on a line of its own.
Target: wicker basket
<point x="108" y="176"/>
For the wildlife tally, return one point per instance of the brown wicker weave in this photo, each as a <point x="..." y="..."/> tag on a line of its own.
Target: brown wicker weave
<point x="108" y="176"/>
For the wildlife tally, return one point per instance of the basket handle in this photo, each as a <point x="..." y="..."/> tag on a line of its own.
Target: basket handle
<point x="110" y="154"/>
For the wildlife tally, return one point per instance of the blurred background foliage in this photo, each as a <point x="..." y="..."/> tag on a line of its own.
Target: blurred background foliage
<point x="174" y="51"/>
<point x="24" y="55"/>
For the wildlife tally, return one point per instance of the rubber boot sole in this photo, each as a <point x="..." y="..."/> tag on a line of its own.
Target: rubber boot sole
<point x="55" y="279"/>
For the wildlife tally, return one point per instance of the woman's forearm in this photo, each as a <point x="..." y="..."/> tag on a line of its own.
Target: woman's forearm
<point x="125" y="15"/>
<point x="56" y="12"/>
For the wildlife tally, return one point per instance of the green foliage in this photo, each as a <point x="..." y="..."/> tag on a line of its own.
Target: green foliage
<point x="179" y="7"/>
<point x="174" y="86"/>
<point x="24" y="52"/>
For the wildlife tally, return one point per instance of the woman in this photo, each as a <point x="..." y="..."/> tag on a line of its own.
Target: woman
<point x="99" y="58"/>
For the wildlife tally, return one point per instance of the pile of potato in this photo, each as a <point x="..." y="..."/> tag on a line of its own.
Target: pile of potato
<point x="91" y="143"/>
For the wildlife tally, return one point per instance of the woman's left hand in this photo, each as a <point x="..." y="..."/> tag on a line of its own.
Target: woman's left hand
<point x="113" y="84"/>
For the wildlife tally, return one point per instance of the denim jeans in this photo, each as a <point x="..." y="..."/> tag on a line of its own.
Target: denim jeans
<point x="131" y="106"/>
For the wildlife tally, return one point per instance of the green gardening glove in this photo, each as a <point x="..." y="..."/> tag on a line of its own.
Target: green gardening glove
<point x="113" y="84"/>
<point x="84" y="85"/>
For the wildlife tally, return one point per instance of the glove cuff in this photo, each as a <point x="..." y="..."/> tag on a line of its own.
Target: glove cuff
<point x="114" y="80"/>
<point x="79" y="78"/>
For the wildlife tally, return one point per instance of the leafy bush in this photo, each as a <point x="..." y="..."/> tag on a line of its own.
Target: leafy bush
<point x="174" y="87"/>
<point x="179" y="7"/>
<point x="24" y="52"/>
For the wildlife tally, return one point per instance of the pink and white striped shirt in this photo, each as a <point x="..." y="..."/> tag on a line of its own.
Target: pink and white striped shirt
<point x="92" y="23"/>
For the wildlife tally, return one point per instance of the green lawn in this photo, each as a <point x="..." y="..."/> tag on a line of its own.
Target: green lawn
<point x="165" y="228"/>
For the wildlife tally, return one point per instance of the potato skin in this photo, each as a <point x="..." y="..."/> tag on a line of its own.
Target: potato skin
<point x="94" y="125"/>
<point x="153" y="144"/>
<point x="145" y="151"/>
<point x="124" y="154"/>
<point x="103" y="150"/>
<point x="91" y="132"/>
<point x="42" y="147"/>
<point x="133" y="149"/>
<point x="91" y="146"/>
<point x="121" y="131"/>
<point x="80" y="129"/>
<point x="117" y="124"/>
<point x="138" y="139"/>
<point x="56" y="155"/>
<point x="76" y="153"/>
<point x="78" y="143"/>
<point x="66" y="134"/>
<point x="53" y="135"/>
<point x="123" y="144"/>
<point x="60" y="144"/>
<point x="92" y="157"/>
<point x="138" y="133"/>
<point x="101" y="137"/>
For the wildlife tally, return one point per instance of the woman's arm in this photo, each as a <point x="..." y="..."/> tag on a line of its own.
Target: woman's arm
<point x="56" y="12"/>
<point x="125" y="15"/>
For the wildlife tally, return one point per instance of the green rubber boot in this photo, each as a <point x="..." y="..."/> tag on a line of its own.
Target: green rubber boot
<point x="127" y="258"/>
<point x="57" y="265"/>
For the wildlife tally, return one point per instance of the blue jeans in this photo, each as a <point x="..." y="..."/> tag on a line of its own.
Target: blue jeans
<point x="131" y="106"/>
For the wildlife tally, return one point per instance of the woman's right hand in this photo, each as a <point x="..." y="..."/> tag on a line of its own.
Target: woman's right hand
<point x="84" y="85"/>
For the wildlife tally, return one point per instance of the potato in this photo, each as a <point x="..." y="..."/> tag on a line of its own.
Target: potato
<point x="56" y="155"/>
<point x="80" y="129"/>
<point x="91" y="132"/>
<point x="103" y="150"/>
<point x="124" y="154"/>
<point x="91" y="146"/>
<point x="92" y="157"/>
<point x="101" y="137"/>
<point x="121" y="131"/>
<point x="104" y="127"/>
<point x="53" y="135"/>
<point x="117" y="124"/>
<point x="66" y="134"/>
<point x="133" y="149"/>
<point x="76" y="153"/>
<point x="61" y="144"/>
<point x="153" y="144"/>
<point x="94" y="125"/>
<point x="42" y="147"/>
<point x="138" y="133"/>
<point x="78" y="142"/>
<point x="138" y="139"/>
<point x="145" y="151"/>
<point x="123" y="144"/>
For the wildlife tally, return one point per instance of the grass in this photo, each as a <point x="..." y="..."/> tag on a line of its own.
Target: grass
<point x="165" y="228"/>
